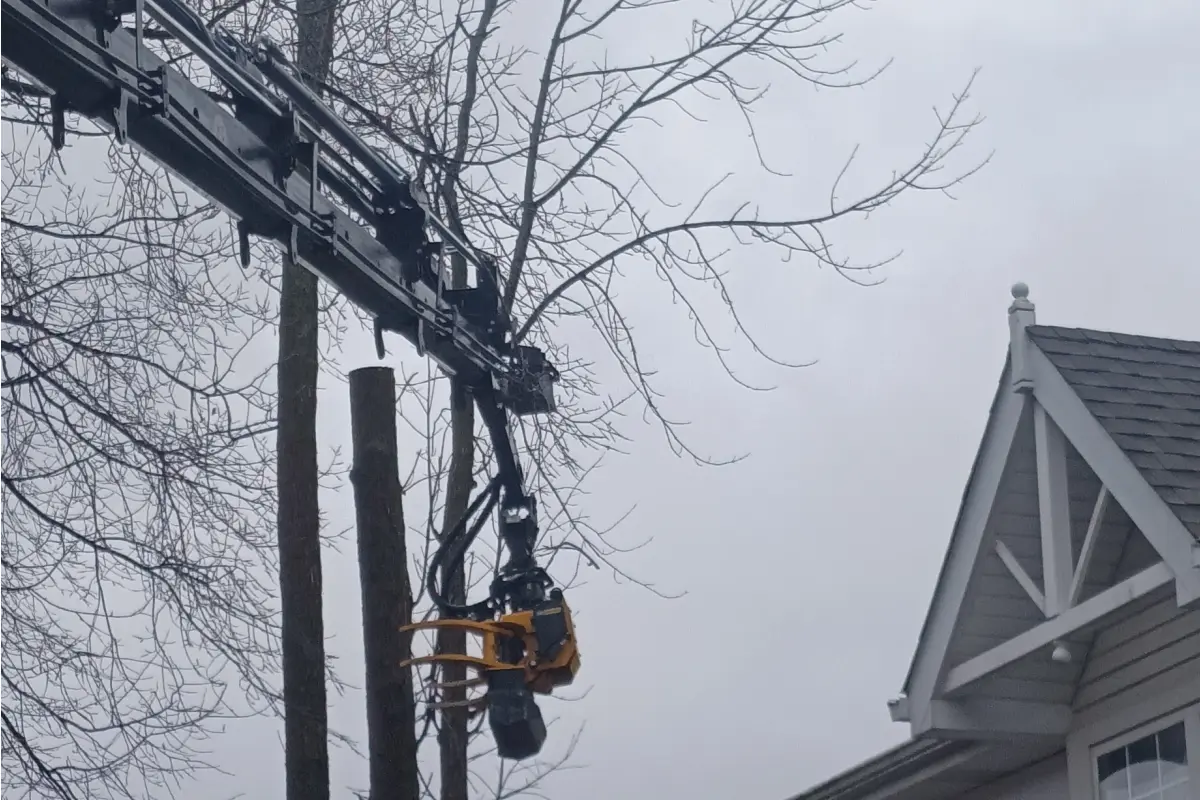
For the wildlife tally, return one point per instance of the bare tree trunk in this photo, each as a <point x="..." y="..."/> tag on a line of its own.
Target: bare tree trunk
<point x="386" y="598"/>
<point x="452" y="737"/>
<point x="306" y="724"/>
<point x="305" y="720"/>
<point x="306" y="746"/>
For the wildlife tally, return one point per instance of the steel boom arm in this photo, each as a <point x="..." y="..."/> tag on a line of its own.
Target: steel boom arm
<point x="257" y="165"/>
<point x="272" y="165"/>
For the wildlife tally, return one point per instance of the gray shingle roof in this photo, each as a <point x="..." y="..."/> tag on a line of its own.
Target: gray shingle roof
<point x="1146" y="394"/>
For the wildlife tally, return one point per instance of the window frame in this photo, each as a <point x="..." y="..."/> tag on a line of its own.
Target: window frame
<point x="1146" y="708"/>
<point x="1086" y="746"/>
<point x="1190" y="717"/>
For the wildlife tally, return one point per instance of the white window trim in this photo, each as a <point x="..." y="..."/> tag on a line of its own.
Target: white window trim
<point x="1086" y="745"/>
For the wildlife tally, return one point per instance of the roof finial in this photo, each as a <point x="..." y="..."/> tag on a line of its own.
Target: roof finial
<point x="1021" y="302"/>
<point x="1020" y="316"/>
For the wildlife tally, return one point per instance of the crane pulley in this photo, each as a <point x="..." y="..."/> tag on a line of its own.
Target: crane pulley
<point x="288" y="169"/>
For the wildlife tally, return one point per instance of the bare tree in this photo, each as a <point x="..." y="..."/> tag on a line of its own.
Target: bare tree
<point x="522" y="148"/>
<point x="330" y="43"/>
<point x="137" y="469"/>
<point x="520" y="143"/>
<point x="306" y="740"/>
<point x="134" y="533"/>
<point x="85" y="279"/>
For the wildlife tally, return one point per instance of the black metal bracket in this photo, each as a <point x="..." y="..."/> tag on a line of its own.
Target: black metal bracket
<point x="293" y="244"/>
<point x="126" y="103"/>
<point x="243" y="232"/>
<point x="288" y="148"/>
<point x="58" y="121"/>
<point x="325" y="229"/>
<point x="154" y="83"/>
<point x="529" y="387"/>
<point x="121" y="110"/>
<point x="380" y="349"/>
<point x="400" y="227"/>
<point x="108" y="15"/>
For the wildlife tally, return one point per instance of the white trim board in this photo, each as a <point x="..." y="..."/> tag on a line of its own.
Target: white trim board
<point x="970" y="538"/>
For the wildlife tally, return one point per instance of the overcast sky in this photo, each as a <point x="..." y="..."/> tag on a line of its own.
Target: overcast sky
<point x="809" y="567"/>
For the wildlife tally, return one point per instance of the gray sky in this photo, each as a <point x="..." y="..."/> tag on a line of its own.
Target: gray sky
<point x="808" y="567"/>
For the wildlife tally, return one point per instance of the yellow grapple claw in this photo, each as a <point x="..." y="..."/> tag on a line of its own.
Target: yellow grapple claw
<point x="523" y="653"/>
<point x="540" y="642"/>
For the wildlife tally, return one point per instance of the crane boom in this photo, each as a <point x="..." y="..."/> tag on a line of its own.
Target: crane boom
<point x="289" y="170"/>
<point x="256" y="163"/>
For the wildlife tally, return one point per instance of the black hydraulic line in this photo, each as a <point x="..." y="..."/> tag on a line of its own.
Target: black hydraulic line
<point x="452" y="549"/>
<point x="519" y="539"/>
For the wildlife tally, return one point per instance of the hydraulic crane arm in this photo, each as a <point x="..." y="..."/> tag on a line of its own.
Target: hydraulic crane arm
<point x="289" y="170"/>
<point x="255" y="163"/>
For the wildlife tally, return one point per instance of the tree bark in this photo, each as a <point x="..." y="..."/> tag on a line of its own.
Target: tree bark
<point x="452" y="737"/>
<point x="306" y="749"/>
<point x="386" y="596"/>
<point x="306" y="745"/>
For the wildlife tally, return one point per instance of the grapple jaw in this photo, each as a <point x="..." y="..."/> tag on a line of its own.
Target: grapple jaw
<point x="522" y="654"/>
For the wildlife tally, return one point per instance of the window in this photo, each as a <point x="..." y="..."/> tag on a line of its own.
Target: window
<point x="1153" y="767"/>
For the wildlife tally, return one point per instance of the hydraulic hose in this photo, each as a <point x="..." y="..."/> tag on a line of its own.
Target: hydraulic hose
<point x="454" y="544"/>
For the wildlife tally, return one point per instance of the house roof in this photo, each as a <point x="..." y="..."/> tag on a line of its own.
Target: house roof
<point x="902" y="761"/>
<point x="1145" y="392"/>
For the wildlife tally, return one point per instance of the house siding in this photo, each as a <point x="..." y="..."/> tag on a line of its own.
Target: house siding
<point x="1045" y="780"/>
<point x="1159" y="645"/>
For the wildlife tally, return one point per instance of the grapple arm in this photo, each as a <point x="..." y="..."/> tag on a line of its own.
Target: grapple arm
<point x="522" y="654"/>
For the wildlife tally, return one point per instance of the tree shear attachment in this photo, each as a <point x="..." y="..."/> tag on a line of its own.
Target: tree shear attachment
<point x="523" y="653"/>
